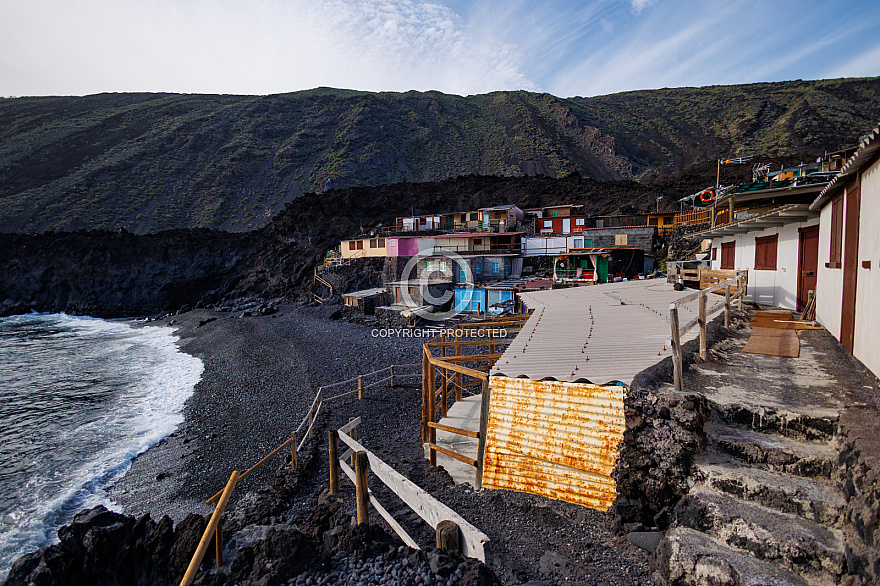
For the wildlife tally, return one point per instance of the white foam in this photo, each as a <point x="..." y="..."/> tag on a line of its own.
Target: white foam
<point x="159" y="379"/>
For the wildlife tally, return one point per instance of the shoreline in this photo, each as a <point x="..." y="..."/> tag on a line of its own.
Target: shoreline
<point x="261" y="374"/>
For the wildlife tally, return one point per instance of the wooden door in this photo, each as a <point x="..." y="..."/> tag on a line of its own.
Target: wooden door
<point x="808" y="264"/>
<point x="850" y="265"/>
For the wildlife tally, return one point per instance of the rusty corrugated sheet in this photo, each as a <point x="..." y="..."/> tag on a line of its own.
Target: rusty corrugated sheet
<point x="554" y="439"/>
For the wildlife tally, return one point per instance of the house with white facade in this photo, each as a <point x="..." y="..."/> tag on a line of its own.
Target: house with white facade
<point x="848" y="287"/>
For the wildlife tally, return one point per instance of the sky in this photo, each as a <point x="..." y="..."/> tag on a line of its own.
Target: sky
<point x="563" y="47"/>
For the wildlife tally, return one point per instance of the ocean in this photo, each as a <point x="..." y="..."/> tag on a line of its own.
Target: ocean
<point x="79" y="399"/>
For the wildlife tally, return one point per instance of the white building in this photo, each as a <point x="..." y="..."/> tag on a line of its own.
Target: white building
<point x="848" y="289"/>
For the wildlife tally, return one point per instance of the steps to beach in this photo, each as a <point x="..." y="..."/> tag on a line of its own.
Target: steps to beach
<point x="763" y="509"/>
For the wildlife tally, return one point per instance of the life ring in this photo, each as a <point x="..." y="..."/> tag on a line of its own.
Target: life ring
<point x="706" y="195"/>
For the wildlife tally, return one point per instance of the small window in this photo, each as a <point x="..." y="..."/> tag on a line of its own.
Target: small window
<point x="443" y="266"/>
<point x="620" y="239"/>
<point x="360" y="244"/>
<point x="765" y="252"/>
<point x="835" y="252"/>
<point x="374" y="243"/>
<point x="653" y="221"/>
<point x="579" y="221"/>
<point x="429" y="266"/>
<point x="412" y="290"/>
<point x="578" y="243"/>
<point x="667" y="220"/>
<point x="728" y="250"/>
<point x="588" y="243"/>
<point x="352" y="245"/>
<point x="714" y="253"/>
<point x="478" y="268"/>
<point x="478" y="241"/>
<point x="474" y="217"/>
<point x="495" y="267"/>
<point x="380" y="243"/>
<point x="548" y="223"/>
<point x="554" y="213"/>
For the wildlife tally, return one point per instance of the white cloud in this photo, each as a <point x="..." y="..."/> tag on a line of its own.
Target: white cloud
<point x="254" y="47"/>
<point x="639" y="5"/>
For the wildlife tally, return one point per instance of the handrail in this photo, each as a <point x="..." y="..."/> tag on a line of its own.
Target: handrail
<point x="740" y="282"/>
<point x="213" y="528"/>
<point x="309" y="420"/>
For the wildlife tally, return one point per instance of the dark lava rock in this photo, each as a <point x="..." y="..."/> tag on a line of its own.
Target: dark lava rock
<point x="101" y="547"/>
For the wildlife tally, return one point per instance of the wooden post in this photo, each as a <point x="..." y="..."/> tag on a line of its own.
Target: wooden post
<point x="458" y="376"/>
<point x="205" y="541"/>
<point x="742" y="285"/>
<point x="392" y="376"/>
<point x="444" y="374"/>
<point x="218" y="543"/>
<point x="353" y="435"/>
<point x="293" y="461"/>
<point x="333" y="438"/>
<point x="676" y="349"/>
<point x="484" y="425"/>
<point x="703" y="326"/>
<point x="491" y="344"/>
<point x="361" y="468"/>
<point x="448" y="536"/>
<point x="360" y="387"/>
<point x="727" y="307"/>
<point x="432" y="416"/>
<point x="425" y="397"/>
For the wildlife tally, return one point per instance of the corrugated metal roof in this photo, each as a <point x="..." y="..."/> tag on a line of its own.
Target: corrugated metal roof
<point x="597" y="333"/>
<point x="554" y="439"/>
<point x="868" y="147"/>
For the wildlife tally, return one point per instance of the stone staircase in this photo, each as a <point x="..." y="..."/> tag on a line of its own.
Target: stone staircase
<point x="763" y="509"/>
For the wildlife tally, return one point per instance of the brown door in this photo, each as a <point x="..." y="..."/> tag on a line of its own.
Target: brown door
<point x="808" y="264"/>
<point x="850" y="265"/>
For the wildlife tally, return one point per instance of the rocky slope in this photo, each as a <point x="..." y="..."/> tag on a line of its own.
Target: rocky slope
<point x="151" y="162"/>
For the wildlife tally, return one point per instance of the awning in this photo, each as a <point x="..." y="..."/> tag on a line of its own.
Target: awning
<point x="787" y="214"/>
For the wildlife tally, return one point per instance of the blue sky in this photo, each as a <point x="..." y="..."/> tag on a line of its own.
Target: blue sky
<point x="566" y="48"/>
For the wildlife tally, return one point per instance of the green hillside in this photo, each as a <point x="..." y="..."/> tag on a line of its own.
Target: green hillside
<point x="149" y="162"/>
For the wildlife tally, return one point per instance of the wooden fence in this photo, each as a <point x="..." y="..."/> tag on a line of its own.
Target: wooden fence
<point x="305" y="430"/>
<point x="452" y="530"/>
<point x="734" y="289"/>
<point x="445" y="379"/>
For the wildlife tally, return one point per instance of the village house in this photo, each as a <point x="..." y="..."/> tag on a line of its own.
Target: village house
<point x="848" y="242"/>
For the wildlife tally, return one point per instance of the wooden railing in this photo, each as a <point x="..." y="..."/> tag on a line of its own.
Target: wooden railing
<point x="734" y="289"/>
<point x="452" y="531"/>
<point x="693" y="217"/>
<point x="455" y="379"/>
<point x="306" y="428"/>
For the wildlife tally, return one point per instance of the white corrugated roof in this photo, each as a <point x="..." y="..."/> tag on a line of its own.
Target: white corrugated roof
<point x="597" y="333"/>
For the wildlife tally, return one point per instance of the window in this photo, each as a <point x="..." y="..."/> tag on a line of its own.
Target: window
<point x="360" y="244"/>
<point x="380" y="243"/>
<point x="554" y="213"/>
<point x="588" y="243"/>
<point x="667" y="220"/>
<point x="429" y="266"/>
<point x="352" y="245"/>
<point x="412" y="290"/>
<point x="620" y="239"/>
<point x="495" y="267"/>
<point x="478" y="241"/>
<point x="475" y="217"/>
<point x="443" y="266"/>
<point x="373" y="243"/>
<point x="836" y="233"/>
<point x="578" y="243"/>
<point x="478" y="268"/>
<point x="548" y="223"/>
<point x="579" y="221"/>
<point x="727" y="253"/>
<point x="714" y="253"/>
<point x="652" y="221"/>
<point x="765" y="252"/>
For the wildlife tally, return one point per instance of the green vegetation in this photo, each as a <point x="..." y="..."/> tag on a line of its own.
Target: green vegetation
<point x="149" y="162"/>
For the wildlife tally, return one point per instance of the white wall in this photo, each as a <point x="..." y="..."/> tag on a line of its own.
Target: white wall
<point x="865" y="346"/>
<point x="777" y="288"/>
<point x="829" y="282"/>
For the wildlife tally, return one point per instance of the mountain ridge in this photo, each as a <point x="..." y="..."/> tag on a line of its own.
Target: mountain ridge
<point x="150" y="162"/>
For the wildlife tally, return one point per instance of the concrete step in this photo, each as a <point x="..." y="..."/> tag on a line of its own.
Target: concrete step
<point x="777" y="452"/>
<point x="801" y="546"/>
<point x="788" y="423"/>
<point x="687" y="557"/>
<point x="812" y="499"/>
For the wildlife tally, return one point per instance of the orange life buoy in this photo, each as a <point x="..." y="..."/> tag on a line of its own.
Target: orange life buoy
<point x="706" y="195"/>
